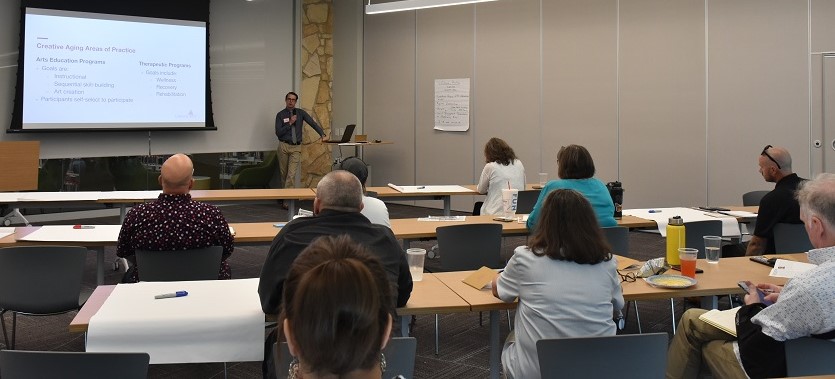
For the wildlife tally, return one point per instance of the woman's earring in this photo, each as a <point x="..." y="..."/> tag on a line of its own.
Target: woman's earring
<point x="293" y="371"/>
<point x="382" y="362"/>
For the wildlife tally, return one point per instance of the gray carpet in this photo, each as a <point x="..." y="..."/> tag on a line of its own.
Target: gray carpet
<point x="463" y="342"/>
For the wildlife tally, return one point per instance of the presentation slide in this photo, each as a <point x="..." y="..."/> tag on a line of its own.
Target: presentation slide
<point x="87" y="70"/>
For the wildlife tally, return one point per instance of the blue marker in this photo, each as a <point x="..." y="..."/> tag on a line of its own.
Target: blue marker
<point x="654" y="211"/>
<point x="170" y="295"/>
<point x="421" y="187"/>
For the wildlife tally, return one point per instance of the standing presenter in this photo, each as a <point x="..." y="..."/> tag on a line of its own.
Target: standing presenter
<point x="288" y="129"/>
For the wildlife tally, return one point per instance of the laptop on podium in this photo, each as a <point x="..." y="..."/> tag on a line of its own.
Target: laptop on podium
<point x="346" y="137"/>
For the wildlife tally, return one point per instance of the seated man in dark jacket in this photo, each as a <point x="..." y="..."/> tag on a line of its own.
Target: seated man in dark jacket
<point x="803" y="308"/>
<point x="336" y="210"/>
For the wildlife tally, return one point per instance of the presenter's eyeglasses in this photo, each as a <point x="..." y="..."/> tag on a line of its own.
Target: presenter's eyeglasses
<point x="765" y="152"/>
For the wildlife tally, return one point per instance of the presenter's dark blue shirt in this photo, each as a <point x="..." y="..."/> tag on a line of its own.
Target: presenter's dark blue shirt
<point x="283" y="128"/>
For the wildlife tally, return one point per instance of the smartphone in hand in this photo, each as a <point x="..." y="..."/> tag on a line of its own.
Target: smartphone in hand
<point x="744" y="285"/>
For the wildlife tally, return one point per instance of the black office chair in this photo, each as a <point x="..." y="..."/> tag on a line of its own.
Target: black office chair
<point x="695" y="231"/>
<point x="39" y="281"/>
<point x="639" y="356"/>
<point x="791" y="238"/>
<point x="72" y="365"/>
<point x="468" y="247"/>
<point x="753" y="198"/>
<point x="809" y="356"/>
<point x="179" y="265"/>
<point x="400" y="358"/>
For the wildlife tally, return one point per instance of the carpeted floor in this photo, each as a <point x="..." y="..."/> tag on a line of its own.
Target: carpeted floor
<point x="463" y="342"/>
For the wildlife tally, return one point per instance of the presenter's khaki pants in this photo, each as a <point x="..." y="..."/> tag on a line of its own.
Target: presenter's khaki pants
<point x="289" y="160"/>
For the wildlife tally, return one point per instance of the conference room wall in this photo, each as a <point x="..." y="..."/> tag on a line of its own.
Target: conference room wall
<point x="444" y="47"/>
<point x="252" y="65"/>
<point x="758" y="88"/>
<point x="579" y="83"/>
<point x="662" y="102"/>
<point x="389" y="84"/>
<point x="699" y="86"/>
<point x="504" y="77"/>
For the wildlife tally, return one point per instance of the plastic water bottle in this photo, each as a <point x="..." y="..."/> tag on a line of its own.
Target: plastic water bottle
<point x="675" y="239"/>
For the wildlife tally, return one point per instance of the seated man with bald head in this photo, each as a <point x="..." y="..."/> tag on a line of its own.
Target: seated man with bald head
<point x="779" y="205"/>
<point x="174" y="221"/>
<point x="336" y="210"/>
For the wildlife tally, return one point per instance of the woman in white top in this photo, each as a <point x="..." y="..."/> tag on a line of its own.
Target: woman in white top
<point x="502" y="171"/>
<point x="566" y="281"/>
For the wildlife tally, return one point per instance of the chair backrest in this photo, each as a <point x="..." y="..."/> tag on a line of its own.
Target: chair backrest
<point x="627" y="356"/>
<point x="400" y="358"/>
<point x="810" y="356"/>
<point x="18" y="364"/>
<point x="695" y="231"/>
<point x="526" y="201"/>
<point x="468" y="247"/>
<point x="179" y="265"/>
<point x="618" y="238"/>
<point x="791" y="238"/>
<point x="753" y="198"/>
<point x="41" y="279"/>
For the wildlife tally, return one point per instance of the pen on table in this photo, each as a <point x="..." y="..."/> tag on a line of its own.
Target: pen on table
<point x="711" y="215"/>
<point x="421" y="187"/>
<point x="172" y="294"/>
<point x="654" y="211"/>
<point x="83" y="227"/>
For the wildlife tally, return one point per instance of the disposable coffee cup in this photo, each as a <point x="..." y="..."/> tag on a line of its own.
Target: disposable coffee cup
<point x="713" y="248"/>
<point x="509" y="199"/>
<point x="415" y="259"/>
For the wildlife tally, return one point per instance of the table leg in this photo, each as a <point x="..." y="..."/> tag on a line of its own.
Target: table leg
<point x="495" y="349"/>
<point x="404" y="325"/>
<point x="99" y="265"/>
<point x="122" y="212"/>
<point x="447" y="205"/>
<point x="291" y="209"/>
<point x="710" y="302"/>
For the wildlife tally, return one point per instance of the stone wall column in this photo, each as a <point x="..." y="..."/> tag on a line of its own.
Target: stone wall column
<point x="316" y="88"/>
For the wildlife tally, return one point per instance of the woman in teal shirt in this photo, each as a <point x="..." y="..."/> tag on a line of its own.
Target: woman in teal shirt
<point x="576" y="171"/>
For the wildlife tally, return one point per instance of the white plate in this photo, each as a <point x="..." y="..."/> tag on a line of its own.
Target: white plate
<point x="670" y="281"/>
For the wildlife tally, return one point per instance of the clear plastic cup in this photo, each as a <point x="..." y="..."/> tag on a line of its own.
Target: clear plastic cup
<point x="543" y="178"/>
<point x="415" y="257"/>
<point x="509" y="201"/>
<point x="713" y="248"/>
<point x="688" y="257"/>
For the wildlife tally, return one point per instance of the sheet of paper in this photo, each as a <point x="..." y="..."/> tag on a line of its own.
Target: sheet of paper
<point x="740" y="214"/>
<point x="59" y="196"/>
<point x="67" y="233"/>
<point x="730" y="226"/>
<point x="480" y="277"/>
<point x="431" y="189"/>
<point x="129" y="195"/>
<point x="443" y="218"/>
<point x="784" y="268"/>
<point x="218" y="321"/>
<point x="6" y="231"/>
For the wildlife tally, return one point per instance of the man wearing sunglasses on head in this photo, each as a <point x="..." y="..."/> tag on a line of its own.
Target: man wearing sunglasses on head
<point x="777" y="206"/>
